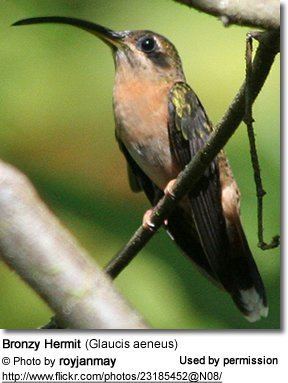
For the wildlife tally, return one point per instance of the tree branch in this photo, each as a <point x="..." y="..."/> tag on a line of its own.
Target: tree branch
<point x="264" y="58"/>
<point x="45" y="255"/>
<point x="258" y="13"/>
<point x="249" y="120"/>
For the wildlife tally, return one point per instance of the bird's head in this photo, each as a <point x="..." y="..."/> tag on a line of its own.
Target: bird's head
<point x="144" y="52"/>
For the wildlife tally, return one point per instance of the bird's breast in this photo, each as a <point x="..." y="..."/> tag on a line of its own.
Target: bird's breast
<point x="141" y="112"/>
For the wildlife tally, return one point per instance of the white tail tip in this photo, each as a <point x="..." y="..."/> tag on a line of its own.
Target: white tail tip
<point x="253" y="303"/>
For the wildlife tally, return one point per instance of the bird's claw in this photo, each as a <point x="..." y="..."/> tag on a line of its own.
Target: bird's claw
<point x="147" y="222"/>
<point x="169" y="189"/>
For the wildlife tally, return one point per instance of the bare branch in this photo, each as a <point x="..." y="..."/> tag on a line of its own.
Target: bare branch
<point x="264" y="58"/>
<point x="45" y="255"/>
<point x="257" y="13"/>
<point x="248" y="119"/>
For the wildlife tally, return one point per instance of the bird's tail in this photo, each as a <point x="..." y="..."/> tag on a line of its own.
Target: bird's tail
<point x="236" y="270"/>
<point x="247" y="288"/>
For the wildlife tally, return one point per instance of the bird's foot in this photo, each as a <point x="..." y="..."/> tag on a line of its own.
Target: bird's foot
<point x="147" y="222"/>
<point x="169" y="189"/>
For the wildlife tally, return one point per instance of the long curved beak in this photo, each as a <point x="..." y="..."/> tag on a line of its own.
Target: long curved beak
<point x="112" y="38"/>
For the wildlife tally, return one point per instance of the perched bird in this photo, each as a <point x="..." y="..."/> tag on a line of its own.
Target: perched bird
<point x="160" y="125"/>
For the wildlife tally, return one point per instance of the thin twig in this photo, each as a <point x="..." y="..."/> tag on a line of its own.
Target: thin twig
<point x="248" y="119"/>
<point x="186" y="180"/>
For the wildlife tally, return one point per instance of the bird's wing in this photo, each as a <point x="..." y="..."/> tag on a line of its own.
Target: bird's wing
<point x="179" y="226"/>
<point x="138" y="180"/>
<point x="133" y="170"/>
<point x="226" y="248"/>
<point x="134" y="182"/>
<point x="189" y="129"/>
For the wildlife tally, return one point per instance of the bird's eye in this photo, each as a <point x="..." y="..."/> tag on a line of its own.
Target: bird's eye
<point x="147" y="44"/>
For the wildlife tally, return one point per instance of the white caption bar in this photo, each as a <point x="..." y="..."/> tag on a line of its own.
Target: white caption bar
<point x="140" y="357"/>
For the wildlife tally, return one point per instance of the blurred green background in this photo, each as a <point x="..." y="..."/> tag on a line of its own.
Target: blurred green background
<point x="56" y="125"/>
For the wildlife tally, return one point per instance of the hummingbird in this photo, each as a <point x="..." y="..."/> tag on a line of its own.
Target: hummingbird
<point x="160" y="126"/>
